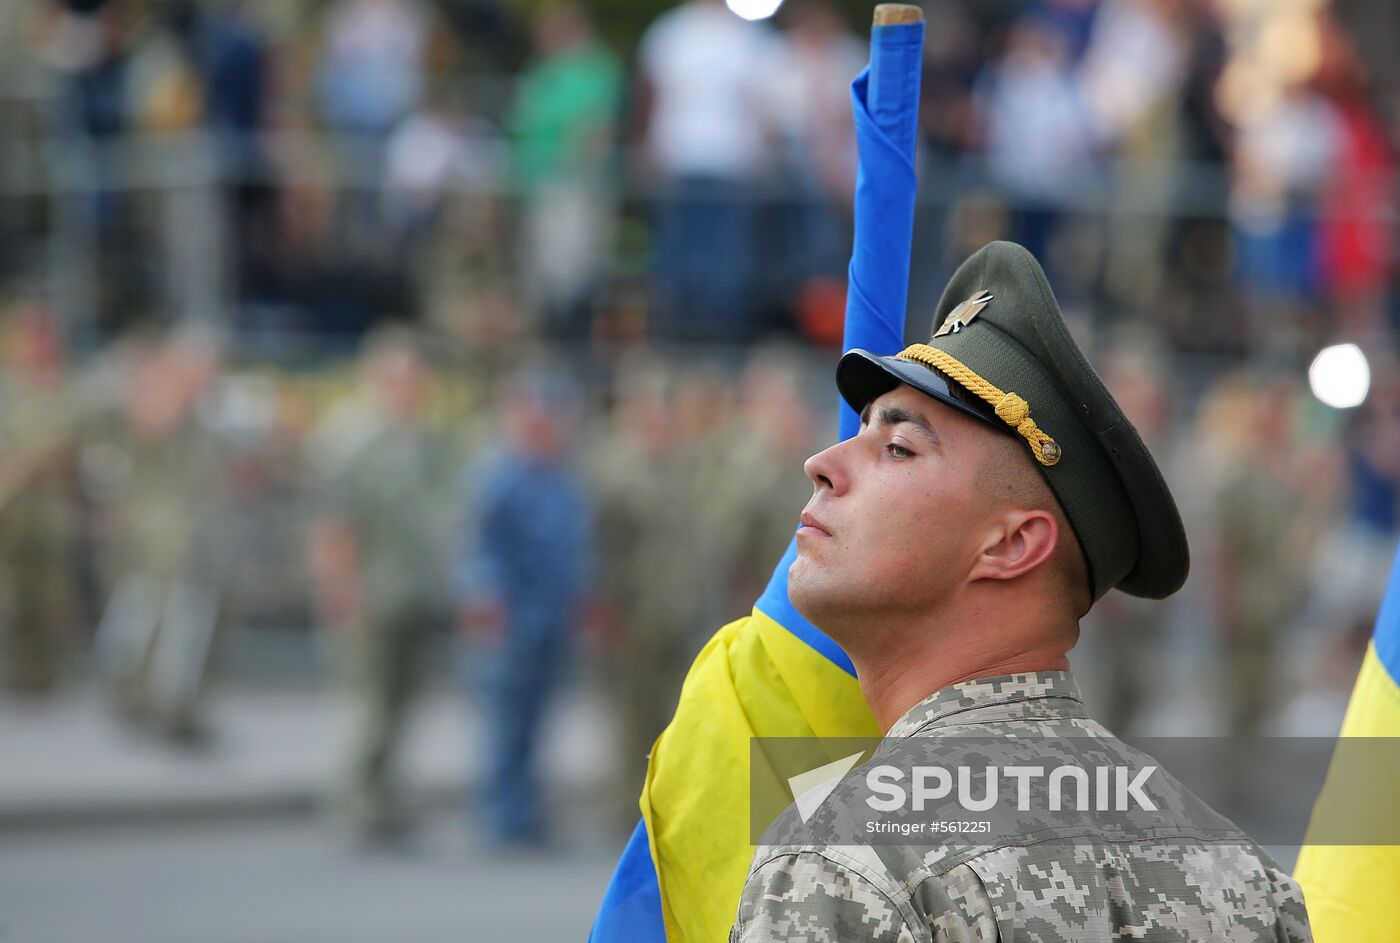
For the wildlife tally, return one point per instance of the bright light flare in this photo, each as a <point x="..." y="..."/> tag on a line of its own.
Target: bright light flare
<point x="754" y="9"/>
<point x="1340" y="376"/>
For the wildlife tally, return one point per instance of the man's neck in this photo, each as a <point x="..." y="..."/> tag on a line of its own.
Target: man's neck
<point x="892" y="682"/>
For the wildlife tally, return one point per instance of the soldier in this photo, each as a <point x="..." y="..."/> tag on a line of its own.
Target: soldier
<point x="377" y="551"/>
<point x="994" y="492"/>
<point x="653" y="558"/>
<point x="1127" y="629"/>
<point x="763" y="487"/>
<point x="156" y="637"/>
<point x="38" y="509"/>
<point x="703" y="430"/>
<point x="1266" y="528"/>
<point x="524" y="582"/>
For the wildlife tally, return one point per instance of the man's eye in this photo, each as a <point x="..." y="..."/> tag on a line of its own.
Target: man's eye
<point x="898" y="451"/>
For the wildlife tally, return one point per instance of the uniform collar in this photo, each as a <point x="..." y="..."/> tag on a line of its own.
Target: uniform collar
<point x="1017" y="696"/>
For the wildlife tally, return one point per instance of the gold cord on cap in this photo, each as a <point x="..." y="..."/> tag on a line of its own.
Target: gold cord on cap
<point x="1010" y="408"/>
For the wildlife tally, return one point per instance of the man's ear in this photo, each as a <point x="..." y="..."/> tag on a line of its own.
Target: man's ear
<point x="1022" y="541"/>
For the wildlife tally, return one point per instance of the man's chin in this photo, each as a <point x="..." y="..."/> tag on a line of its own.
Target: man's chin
<point x="806" y="589"/>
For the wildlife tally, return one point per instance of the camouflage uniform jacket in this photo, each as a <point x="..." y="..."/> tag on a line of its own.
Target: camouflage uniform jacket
<point x="1094" y="887"/>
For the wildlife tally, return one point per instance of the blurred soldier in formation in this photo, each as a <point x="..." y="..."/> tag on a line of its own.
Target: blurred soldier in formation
<point x="524" y="579"/>
<point x="764" y="488"/>
<point x="1126" y="629"/>
<point x="703" y="421"/>
<point x="168" y="541"/>
<point x="1264" y="534"/>
<point x="651" y="533"/>
<point x="376" y="552"/>
<point x="38" y="511"/>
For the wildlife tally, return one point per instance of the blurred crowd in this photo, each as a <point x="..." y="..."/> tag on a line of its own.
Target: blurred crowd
<point x="160" y="499"/>
<point x="558" y="532"/>
<point x="513" y="324"/>
<point x="301" y="172"/>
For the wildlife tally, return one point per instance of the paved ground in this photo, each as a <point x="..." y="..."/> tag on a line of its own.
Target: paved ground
<point x="70" y="762"/>
<point x="106" y="835"/>
<point x="274" y="880"/>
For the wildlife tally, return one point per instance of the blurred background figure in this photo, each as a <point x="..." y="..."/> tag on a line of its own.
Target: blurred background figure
<point x="236" y="68"/>
<point x="425" y="157"/>
<point x="87" y="45"/>
<point x="1284" y="153"/>
<point x="815" y="57"/>
<point x="1262" y="555"/>
<point x="525" y="584"/>
<point x="652" y="556"/>
<point x="563" y="133"/>
<point x="705" y="132"/>
<point x="376" y="550"/>
<point x="1355" y="247"/>
<point x="1133" y="77"/>
<point x="39" y="426"/>
<point x="703" y="412"/>
<point x="371" y="75"/>
<point x="1035" y="128"/>
<point x="1125" y="633"/>
<point x="155" y="642"/>
<point x="763" y="489"/>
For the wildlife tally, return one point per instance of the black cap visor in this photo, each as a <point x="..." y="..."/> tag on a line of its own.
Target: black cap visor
<point x="863" y="377"/>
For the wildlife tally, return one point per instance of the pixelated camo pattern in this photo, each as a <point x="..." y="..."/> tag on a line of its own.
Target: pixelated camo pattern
<point x="1090" y="888"/>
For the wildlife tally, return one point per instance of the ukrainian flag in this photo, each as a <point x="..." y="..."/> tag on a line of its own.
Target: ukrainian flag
<point x="772" y="673"/>
<point x="1353" y="891"/>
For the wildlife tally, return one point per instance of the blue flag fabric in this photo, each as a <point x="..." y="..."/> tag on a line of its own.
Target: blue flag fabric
<point x="631" y="908"/>
<point x="885" y="101"/>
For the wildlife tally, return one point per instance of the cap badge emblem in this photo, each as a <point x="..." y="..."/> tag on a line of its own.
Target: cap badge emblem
<point x="961" y="316"/>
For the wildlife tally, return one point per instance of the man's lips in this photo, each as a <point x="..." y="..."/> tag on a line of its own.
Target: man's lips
<point x="809" y="522"/>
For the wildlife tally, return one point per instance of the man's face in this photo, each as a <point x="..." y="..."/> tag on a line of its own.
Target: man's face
<point x="400" y="382"/>
<point x="897" y="516"/>
<point x="536" y="427"/>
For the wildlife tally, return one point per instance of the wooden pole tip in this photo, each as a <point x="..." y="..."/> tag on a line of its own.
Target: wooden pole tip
<point x="893" y="14"/>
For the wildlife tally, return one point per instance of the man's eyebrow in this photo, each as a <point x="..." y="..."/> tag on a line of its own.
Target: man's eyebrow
<point x="894" y="415"/>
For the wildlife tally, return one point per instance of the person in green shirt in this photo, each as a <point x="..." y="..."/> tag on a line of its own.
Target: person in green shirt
<point x="561" y="127"/>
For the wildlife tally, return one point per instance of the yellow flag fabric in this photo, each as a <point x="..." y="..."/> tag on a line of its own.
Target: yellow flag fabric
<point x="755" y="678"/>
<point x="1353" y="892"/>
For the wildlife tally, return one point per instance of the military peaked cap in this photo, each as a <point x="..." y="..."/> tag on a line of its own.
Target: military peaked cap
<point x="999" y="336"/>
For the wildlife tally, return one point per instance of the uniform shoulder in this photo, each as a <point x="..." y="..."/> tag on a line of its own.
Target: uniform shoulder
<point x="799" y="892"/>
<point x="1195" y="890"/>
<point x="815" y="892"/>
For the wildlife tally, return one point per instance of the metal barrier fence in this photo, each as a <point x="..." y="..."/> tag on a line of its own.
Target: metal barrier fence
<point x="166" y="217"/>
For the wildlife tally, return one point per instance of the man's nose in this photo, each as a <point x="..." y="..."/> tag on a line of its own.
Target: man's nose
<point x="825" y="469"/>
